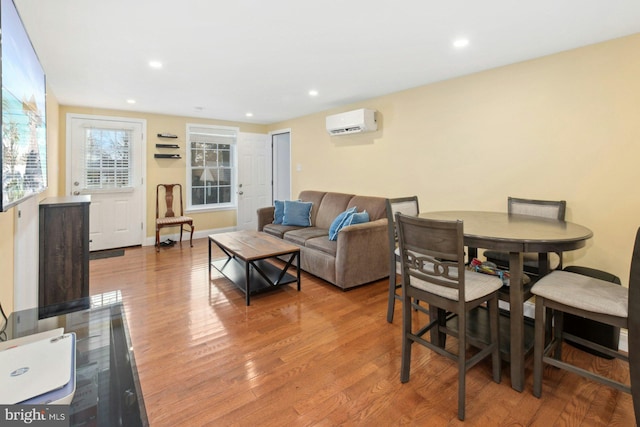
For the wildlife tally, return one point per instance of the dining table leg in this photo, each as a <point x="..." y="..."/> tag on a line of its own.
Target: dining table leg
<point x="516" y="321"/>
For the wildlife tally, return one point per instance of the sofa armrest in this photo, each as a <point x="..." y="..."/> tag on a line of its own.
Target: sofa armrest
<point x="265" y="216"/>
<point x="363" y="253"/>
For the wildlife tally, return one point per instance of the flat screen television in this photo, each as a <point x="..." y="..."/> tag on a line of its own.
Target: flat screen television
<point x="24" y="127"/>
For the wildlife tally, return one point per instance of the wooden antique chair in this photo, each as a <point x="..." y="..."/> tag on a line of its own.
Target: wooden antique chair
<point x="562" y="292"/>
<point x="542" y="208"/>
<point x="169" y="219"/>
<point x="433" y="270"/>
<point x="407" y="206"/>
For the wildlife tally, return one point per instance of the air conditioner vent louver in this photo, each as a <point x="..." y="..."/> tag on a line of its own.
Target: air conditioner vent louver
<point x="353" y="129"/>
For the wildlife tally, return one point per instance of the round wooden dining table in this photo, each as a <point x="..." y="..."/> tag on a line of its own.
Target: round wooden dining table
<point x="516" y="234"/>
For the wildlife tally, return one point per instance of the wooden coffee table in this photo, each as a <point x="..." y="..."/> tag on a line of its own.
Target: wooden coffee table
<point x="246" y="264"/>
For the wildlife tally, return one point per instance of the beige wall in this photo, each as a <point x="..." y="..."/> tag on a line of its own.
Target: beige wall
<point x="565" y="126"/>
<point x="161" y="170"/>
<point x="7" y="219"/>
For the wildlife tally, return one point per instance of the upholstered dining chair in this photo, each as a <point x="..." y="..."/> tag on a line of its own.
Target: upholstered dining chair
<point x="606" y="302"/>
<point x="168" y="192"/>
<point x="408" y="206"/>
<point x="433" y="270"/>
<point x="541" y="208"/>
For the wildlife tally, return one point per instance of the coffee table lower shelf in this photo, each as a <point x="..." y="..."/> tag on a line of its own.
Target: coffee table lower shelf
<point x="234" y="269"/>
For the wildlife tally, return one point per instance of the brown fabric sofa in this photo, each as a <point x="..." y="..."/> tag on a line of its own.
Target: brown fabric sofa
<point x="359" y="255"/>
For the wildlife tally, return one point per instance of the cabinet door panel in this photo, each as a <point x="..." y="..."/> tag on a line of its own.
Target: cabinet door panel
<point x="64" y="255"/>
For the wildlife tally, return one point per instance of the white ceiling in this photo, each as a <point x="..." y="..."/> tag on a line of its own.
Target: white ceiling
<point x="222" y="59"/>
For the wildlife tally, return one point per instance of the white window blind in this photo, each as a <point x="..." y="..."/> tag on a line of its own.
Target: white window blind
<point x="107" y="158"/>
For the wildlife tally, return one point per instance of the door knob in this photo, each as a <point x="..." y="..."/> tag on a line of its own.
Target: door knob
<point x="76" y="193"/>
<point x="241" y="192"/>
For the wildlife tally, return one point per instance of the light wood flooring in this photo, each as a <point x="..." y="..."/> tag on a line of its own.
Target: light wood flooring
<point x="318" y="357"/>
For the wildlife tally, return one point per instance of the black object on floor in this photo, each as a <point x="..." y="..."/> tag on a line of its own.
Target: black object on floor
<point x="588" y="329"/>
<point x="109" y="253"/>
<point x="168" y="242"/>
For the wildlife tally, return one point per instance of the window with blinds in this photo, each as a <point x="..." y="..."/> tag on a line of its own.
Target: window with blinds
<point x="211" y="164"/>
<point x="107" y="158"/>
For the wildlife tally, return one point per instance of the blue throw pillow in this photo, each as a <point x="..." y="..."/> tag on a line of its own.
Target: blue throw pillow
<point x="338" y="223"/>
<point x="278" y="212"/>
<point x="297" y="213"/>
<point x="357" y="218"/>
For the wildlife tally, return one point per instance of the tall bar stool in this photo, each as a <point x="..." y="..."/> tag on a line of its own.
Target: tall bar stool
<point x="599" y="300"/>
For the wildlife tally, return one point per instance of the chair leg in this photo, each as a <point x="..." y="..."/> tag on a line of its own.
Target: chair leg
<point x="392" y="295"/>
<point x="181" y="230"/>
<point x="558" y="327"/>
<point x="405" y="364"/>
<point x="634" y="373"/>
<point x="538" y="346"/>
<point x="494" y="326"/>
<point x="191" y="237"/>
<point x="548" y="330"/>
<point x="462" y="362"/>
<point x="157" y="239"/>
<point x="439" y="315"/>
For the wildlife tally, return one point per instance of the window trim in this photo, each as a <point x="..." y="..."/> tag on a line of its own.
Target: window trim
<point x="233" y="204"/>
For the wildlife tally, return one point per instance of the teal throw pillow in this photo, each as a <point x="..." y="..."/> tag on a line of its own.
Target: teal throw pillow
<point x="338" y="223"/>
<point x="278" y="212"/>
<point x="357" y="218"/>
<point x="297" y="213"/>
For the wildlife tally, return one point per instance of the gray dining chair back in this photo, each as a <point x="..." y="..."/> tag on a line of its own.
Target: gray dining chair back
<point x="563" y="292"/>
<point x="433" y="270"/>
<point x="542" y="208"/>
<point x="533" y="263"/>
<point x="408" y="206"/>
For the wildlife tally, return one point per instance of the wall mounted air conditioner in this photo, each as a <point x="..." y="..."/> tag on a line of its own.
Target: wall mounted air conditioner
<point x="355" y="121"/>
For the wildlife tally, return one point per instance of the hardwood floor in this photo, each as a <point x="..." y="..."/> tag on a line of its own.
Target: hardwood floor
<point x="320" y="357"/>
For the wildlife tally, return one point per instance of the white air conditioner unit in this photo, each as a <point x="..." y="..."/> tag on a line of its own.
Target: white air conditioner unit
<point x="355" y="121"/>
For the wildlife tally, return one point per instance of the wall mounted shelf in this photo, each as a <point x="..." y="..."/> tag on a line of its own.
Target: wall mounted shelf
<point x="167" y="135"/>
<point x="167" y="156"/>
<point x="167" y="146"/>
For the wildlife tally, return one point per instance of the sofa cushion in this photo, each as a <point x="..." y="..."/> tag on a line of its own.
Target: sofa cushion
<point x="314" y="197"/>
<point x="323" y="244"/>
<point x="339" y="222"/>
<point x="375" y="206"/>
<point x="301" y="235"/>
<point x="297" y="213"/>
<point x="332" y="204"/>
<point x="278" y="230"/>
<point x="278" y="211"/>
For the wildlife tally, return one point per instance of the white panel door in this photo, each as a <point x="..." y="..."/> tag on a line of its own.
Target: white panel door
<point x="281" y="147"/>
<point x="106" y="161"/>
<point x="254" y="178"/>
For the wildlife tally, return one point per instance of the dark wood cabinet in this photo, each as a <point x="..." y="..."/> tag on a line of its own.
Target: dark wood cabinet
<point x="64" y="255"/>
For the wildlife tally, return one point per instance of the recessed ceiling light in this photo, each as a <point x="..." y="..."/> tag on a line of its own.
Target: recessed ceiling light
<point x="249" y="114"/>
<point x="155" y="64"/>
<point x="131" y="101"/>
<point x="460" y="43"/>
<point x="313" y="92"/>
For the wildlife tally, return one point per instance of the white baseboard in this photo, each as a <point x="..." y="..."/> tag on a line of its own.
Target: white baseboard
<point x="529" y="311"/>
